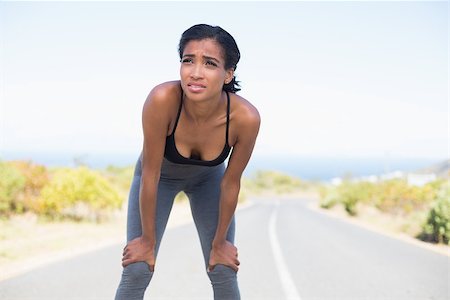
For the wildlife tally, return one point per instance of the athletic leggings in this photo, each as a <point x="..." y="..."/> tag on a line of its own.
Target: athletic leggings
<point x="202" y="186"/>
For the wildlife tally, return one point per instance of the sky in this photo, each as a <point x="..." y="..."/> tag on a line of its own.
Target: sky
<point x="330" y="79"/>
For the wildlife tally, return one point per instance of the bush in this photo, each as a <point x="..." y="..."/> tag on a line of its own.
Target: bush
<point x="11" y="183"/>
<point x="272" y="181"/>
<point x="437" y="226"/>
<point x="349" y="194"/>
<point x="79" y="194"/>
<point x="36" y="177"/>
<point x="397" y="197"/>
<point x="181" y="197"/>
<point x="393" y="196"/>
<point x="329" y="197"/>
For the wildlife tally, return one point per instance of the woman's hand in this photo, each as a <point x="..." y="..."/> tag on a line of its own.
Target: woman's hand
<point x="224" y="253"/>
<point x="139" y="249"/>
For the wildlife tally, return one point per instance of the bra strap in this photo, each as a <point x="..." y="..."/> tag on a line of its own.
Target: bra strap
<point x="178" y="115"/>
<point x="228" y="118"/>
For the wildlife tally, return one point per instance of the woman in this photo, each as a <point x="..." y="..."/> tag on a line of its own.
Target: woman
<point x="190" y="127"/>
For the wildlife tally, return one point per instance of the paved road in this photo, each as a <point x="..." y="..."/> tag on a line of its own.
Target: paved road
<point x="287" y="251"/>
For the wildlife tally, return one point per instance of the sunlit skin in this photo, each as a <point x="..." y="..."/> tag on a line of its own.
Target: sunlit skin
<point x="201" y="133"/>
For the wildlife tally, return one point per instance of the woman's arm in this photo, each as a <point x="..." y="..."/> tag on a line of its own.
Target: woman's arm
<point x="155" y="120"/>
<point x="247" y="132"/>
<point x="154" y="124"/>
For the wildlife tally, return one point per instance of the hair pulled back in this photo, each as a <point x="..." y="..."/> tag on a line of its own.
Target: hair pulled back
<point x="225" y="40"/>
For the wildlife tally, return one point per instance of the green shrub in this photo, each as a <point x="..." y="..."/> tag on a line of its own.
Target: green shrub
<point x="395" y="196"/>
<point x="11" y="183"/>
<point x="272" y="181"/>
<point x="349" y="194"/>
<point x="181" y="197"/>
<point x="78" y="193"/>
<point x="437" y="226"/>
<point x="329" y="197"/>
<point x="36" y="177"/>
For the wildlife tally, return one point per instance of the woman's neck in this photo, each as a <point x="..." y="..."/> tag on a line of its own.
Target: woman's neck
<point x="202" y="111"/>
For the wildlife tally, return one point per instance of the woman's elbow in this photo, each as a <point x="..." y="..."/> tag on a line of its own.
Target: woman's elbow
<point x="231" y="186"/>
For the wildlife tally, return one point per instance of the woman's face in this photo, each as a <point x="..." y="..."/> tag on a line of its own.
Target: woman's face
<point x="202" y="69"/>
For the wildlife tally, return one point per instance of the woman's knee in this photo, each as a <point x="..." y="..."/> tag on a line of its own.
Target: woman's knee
<point x="137" y="274"/>
<point x="222" y="274"/>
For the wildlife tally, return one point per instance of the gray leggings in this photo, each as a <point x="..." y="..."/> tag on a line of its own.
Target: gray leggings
<point x="202" y="186"/>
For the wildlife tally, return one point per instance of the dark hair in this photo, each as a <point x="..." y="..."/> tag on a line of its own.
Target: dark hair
<point x="225" y="40"/>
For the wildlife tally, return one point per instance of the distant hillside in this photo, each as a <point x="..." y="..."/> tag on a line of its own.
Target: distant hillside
<point x="441" y="169"/>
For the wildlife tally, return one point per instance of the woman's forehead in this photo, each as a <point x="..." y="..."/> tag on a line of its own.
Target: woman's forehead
<point x="204" y="47"/>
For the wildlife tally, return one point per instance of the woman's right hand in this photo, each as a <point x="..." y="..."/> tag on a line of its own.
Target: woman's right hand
<point x="139" y="249"/>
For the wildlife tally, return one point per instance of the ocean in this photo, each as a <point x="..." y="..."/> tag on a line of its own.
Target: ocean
<point x="303" y="167"/>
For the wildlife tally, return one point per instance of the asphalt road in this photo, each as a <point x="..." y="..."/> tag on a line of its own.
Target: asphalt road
<point x="287" y="251"/>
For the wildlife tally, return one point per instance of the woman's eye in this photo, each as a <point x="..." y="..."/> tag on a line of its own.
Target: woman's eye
<point x="186" y="60"/>
<point x="211" y="63"/>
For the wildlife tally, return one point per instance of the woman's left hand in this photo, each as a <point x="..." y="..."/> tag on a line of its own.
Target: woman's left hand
<point x="224" y="253"/>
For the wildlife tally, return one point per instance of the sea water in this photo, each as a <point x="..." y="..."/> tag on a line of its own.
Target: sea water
<point x="304" y="167"/>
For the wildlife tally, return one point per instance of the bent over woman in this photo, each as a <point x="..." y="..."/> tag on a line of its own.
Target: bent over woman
<point x="190" y="127"/>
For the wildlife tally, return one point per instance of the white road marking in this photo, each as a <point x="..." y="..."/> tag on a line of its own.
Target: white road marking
<point x="285" y="277"/>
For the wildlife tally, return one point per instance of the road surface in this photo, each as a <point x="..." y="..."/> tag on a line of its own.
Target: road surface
<point x="287" y="251"/>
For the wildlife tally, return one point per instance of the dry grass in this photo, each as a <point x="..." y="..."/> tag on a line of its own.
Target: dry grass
<point x="26" y="242"/>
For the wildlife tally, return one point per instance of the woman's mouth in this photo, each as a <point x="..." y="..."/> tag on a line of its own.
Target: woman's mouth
<point x="195" y="87"/>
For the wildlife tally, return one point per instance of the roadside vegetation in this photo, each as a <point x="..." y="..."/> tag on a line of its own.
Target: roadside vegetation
<point x="60" y="194"/>
<point x="420" y="211"/>
<point x="274" y="182"/>
<point x="83" y="194"/>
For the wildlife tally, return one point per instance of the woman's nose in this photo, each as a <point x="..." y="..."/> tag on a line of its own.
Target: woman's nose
<point x="197" y="72"/>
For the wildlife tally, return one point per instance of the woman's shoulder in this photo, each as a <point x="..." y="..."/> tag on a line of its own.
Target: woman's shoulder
<point x="165" y="92"/>
<point x="245" y="112"/>
<point x="164" y="95"/>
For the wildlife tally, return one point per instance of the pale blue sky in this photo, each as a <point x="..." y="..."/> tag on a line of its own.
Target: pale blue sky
<point x="350" y="79"/>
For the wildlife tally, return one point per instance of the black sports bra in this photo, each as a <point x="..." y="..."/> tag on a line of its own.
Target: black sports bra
<point x="171" y="153"/>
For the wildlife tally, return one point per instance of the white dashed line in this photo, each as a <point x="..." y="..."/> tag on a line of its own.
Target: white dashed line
<point x="287" y="283"/>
